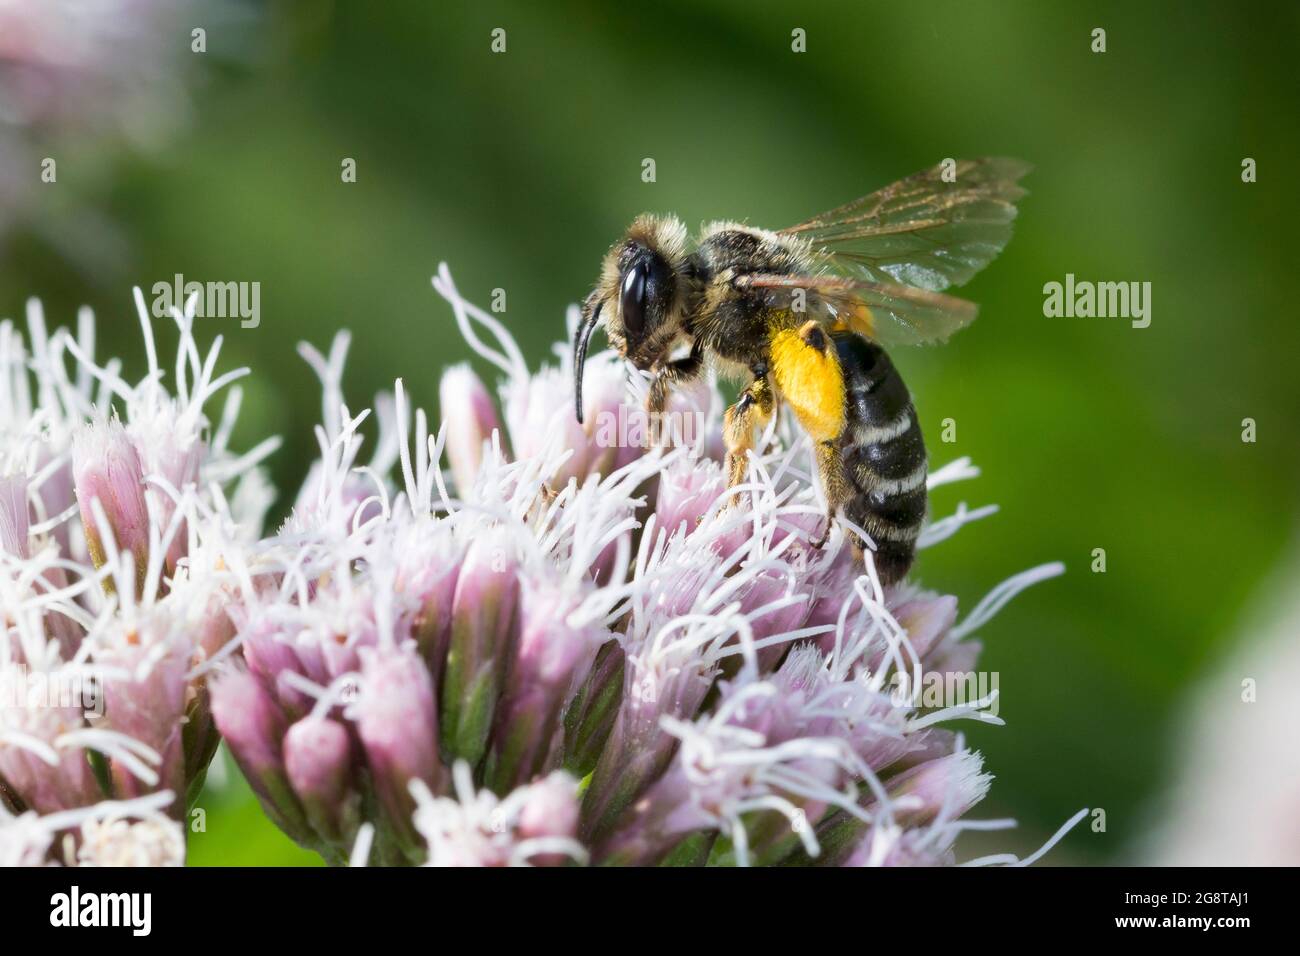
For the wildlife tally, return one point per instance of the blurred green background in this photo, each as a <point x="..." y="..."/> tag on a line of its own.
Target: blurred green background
<point x="519" y="169"/>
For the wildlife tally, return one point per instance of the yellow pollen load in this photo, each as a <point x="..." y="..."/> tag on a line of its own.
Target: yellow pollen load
<point x="810" y="382"/>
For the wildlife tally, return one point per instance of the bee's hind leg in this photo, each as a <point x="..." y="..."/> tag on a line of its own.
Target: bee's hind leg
<point x="752" y="410"/>
<point x="813" y="381"/>
<point x="835" y="485"/>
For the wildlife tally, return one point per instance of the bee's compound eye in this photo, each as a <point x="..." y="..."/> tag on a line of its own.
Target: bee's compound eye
<point x="632" y="301"/>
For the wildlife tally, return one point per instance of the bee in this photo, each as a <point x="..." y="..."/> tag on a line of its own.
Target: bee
<point x="803" y="316"/>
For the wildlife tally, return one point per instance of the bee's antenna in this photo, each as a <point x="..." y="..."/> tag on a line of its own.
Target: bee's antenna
<point x="580" y="356"/>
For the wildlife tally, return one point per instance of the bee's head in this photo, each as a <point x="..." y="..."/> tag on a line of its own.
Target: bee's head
<point x="640" y="296"/>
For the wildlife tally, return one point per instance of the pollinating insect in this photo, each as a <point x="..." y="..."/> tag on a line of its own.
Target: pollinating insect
<point x="803" y="316"/>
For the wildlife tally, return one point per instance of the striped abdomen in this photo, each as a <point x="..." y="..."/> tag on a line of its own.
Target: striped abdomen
<point x="882" y="453"/>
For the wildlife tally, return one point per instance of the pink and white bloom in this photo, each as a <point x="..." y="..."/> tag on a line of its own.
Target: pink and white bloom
<point x="579" y="647"/>
<point x="574" y="604"/>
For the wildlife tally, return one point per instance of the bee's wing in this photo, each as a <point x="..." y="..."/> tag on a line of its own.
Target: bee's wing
<point x="923" y="231"/>
<point x="890" y="313"/>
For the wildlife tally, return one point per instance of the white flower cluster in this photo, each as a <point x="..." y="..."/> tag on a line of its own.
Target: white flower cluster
<point x="113" y="531"/>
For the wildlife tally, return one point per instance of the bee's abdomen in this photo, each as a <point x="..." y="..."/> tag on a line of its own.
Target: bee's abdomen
<point x="883" y="454"/>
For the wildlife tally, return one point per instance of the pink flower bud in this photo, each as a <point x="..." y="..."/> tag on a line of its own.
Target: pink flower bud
<point x="45" y="787"/>
<point x="483" y="632"/>
<point x="687" y="490"/>
<point x="551" y="808"/>
<point x="948" y="785"/>
<point x="954" y="656"/>
<point x="637" y="750"/>
<point x="551" y="659"/>
<point x="318" y="760"/>
<point x="175" y="458"/>
<point x="425" y="583"/>
<point x="549" y="811"/>
<point x="398" y="727"/>
<point x="105" y="466"/>
<point x="541" y="419"/>
<point x="471" y="417"/>
<point x="148" y="704"/>
<point x="254" y="726"/>
<point x="926" y="619"/>
<point x="614" y="431"/>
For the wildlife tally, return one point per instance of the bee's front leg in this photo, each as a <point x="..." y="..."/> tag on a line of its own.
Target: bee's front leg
<point x="674" y="373"/>
<point x="752" y="410"/>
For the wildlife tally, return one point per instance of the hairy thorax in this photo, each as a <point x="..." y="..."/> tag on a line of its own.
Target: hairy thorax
<point x="737" y="325"/>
